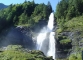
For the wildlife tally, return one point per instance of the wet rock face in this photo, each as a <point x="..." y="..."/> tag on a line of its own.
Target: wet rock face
<point x="17" y="36"/>
<point x="62" y="50"/>
<point x="76" y="38"/>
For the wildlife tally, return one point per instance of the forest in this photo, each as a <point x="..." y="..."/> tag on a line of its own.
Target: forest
<point x="27" y="13"/>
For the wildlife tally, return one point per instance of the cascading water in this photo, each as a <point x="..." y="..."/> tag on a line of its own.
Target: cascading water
<point x="45" y="39"/>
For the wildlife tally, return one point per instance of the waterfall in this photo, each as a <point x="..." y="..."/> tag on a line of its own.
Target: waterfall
<point x="45" y="39"/>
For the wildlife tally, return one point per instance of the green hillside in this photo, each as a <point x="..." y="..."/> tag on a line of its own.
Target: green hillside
<point x="16" y="52"/>
<point x="26" y="14"/>
<point x="69" y="14"/>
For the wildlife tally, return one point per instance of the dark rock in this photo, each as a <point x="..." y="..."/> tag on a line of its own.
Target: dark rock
<point x="17" y="36"/>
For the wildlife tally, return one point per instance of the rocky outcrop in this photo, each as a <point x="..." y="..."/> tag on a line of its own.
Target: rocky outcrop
<point x="17" y="36"/>
<point x="62" y="45"/>
<point x="65" y="49"/>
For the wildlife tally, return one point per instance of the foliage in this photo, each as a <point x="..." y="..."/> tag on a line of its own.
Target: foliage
<point x="61" y="8"/>
<point x="69" y="14"/>
<point x="65" y="41"/>
<point x="27" y="13"/>
<point x="17" y="54"/>
<point x="59" y="30"/>
<point x="76" y="56"/>
<point x="74" y="24"/>
<point x="14" y="47"/>
<point x="68" y="9"/>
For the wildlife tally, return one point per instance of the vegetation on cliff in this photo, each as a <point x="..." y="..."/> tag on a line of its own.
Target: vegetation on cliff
<point x="69" y="14"/>
<point x="16" y="52"/>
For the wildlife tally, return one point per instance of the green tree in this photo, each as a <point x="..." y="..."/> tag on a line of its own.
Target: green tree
<point x="61" y="9"/>
<point x="23" y="19"/>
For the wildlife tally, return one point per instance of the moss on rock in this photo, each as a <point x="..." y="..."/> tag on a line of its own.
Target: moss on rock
<point x="13" y="54"/>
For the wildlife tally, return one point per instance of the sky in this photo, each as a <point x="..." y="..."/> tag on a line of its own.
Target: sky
<point x="53" y="2"/>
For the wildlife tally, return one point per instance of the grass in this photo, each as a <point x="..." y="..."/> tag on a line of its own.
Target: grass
<point x="74" y="24"/>
<point x="65" y="41"/>
<point x="75" y="56"/>
<point x="17" y="54"/>
<point x="25" y="25"/>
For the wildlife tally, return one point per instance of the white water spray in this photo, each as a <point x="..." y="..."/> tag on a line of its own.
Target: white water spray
<point x="45" y="39"/>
